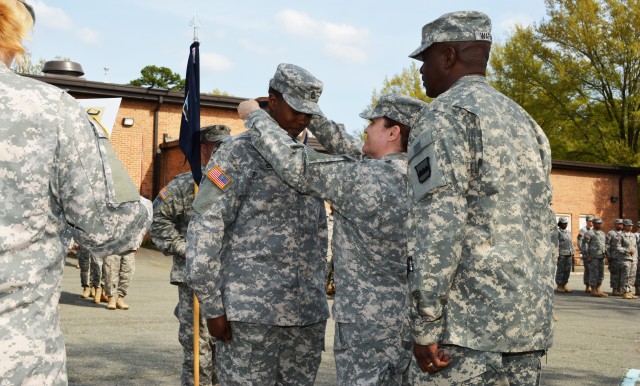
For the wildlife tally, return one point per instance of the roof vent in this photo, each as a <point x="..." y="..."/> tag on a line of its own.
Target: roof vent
<point x="63" y="67"/>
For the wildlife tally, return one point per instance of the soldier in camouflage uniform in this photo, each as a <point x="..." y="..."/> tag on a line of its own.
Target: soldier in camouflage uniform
<point x="366" y="187"/>
<point x="565" y="256"/>
<point x="256" y="253"/>
<point x="119" y="270"/>
<point x="481" y="234"/>
<point x="583" y="254"/>
<point x="637" y="282"/>
<point x="627" y="249"/>
<point x="60" y="180"/>
<point x="614" y="256"/>
<point x="172" y="211"/>
<point x="595" y="247"/>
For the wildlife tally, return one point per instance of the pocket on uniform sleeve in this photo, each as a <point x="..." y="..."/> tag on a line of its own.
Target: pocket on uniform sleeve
<point x="424" y="173"/>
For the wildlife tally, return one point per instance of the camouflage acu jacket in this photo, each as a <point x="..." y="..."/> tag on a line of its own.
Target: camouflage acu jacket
<point x="370" y="211"/>
<point x="255" y="247"/>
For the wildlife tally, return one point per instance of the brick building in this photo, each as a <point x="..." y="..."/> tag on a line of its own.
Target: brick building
<point x="579" y="188"/>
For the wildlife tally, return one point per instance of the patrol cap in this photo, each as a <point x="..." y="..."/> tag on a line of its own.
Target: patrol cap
<point x="398" y="107"/>
<point x="597" y="220"/>
<point x="563" y="220"/>
<point x="214" y="133"/>
<point x="298" y="87"/>
<point x="590" y="218"/>
<point x="627" y="221"/>
<point x="617" y="221"/>
<point x="462" y="26"/>
<point x="30" y="9"/>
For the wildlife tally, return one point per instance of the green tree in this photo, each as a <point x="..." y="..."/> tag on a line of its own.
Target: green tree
<point x="159" y="77"/>
<point x="578" y="74"/>
<point x="28" y="67"/>
<point x="407" y="82"/>
<point x="218" y="92"/>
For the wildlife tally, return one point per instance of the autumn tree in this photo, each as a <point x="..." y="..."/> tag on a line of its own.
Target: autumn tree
<point x="578" y="74"/>
<point x="159" y="77"/>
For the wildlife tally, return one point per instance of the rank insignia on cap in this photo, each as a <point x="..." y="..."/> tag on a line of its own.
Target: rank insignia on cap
<point x="164" y="193"/>
<point x="217" y="176"/>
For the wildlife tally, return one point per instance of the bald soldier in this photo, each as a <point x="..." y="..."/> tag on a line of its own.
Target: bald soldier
<point x="482" y="237"/>
<point x="171" y="215"/>
<point x="366" y="187"/>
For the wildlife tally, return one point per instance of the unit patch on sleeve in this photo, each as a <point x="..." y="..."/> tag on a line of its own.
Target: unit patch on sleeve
<point x="217" y="176"/>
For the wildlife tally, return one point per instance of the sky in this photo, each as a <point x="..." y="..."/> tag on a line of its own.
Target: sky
<point x="350" y="45"/>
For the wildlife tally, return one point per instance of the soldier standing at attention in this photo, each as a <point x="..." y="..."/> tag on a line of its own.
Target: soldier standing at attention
<point x="595" y="245"/>
<point x="367" y="190"/>
<point x="172" y="211"/>
<point x="482" y="237"/>
<point x="637" y="282"/>
<point x="256" y="253"/>
<point x="614" y="256"/>
<point x="583" y="254"/>
<point x="565" y="256"/>
<point x="60" y="180"/>
<point x="627" y="249"/>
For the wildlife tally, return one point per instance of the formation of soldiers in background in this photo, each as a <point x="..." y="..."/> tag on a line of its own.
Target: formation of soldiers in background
<point x="619" y="248"/>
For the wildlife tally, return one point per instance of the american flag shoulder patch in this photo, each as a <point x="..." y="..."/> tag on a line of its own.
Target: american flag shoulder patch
<point x="217" y="176"/>
<point x="164" y="194"/>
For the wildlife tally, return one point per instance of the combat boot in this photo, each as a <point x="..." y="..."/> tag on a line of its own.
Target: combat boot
<point x="104" y="298"/>
<point x="93" y="293"/>
<point x="560" y="289"/>
<point x="566" y="289"/>
<point x="602" y="294"/>
<point x="587" y="289"/>
<point x="627" y="295"/>
<point x="96" y="298"/>
<point x="120" y="304"/>
<point x="86" y="292"/>
<point x="616" y="292"/>
<point x="112" y="303"/>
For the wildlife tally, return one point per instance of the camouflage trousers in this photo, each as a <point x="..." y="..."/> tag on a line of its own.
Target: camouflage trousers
<point x="637" y="282"/>
<point x="563" y="269"/>
<point x="118" y="271"/>
<point x="184" y="313"/>
<point x="270" y="355"/>
<point x="97" y="272"/>
<point x="367" y="354"/>
<point x="471" y="367"/>
<point x="84" y="260"/>
<point x="596" y="272"/>
<point x="614" y="272"/>
<point x="628" y="270"/>
<point x="585" y="277"/>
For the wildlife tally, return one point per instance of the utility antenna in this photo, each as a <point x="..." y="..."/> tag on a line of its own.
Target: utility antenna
<point x="106" y="72"/>
<point x="195" y="23"/>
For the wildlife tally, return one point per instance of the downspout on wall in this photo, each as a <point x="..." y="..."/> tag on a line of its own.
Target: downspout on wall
<point x="156" y="149"/>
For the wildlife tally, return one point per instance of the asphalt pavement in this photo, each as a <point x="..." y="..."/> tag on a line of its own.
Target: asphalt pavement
<point x="596" y="340"/>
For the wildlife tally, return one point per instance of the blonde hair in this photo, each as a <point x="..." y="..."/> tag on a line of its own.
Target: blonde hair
<point x="15" y="26"/>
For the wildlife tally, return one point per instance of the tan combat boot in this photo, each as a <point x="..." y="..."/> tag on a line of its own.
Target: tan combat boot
<point x="93" y="293"/>
<point x="566" y="289"/>
<point x="120" y="304"/>
<point x="627" y="295"/>
<point x="560" y="289"/>
<point x="587" y="289"/>
<point x="86" y="292"/>
<point x="616" y="292"/>
<point x="96" y="298"/>
<point x="112" y="303"/>
<point x="602" y="294"/>
<point x="104" y="298"/>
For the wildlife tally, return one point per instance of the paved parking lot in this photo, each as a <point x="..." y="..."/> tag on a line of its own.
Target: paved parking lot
<point x="596" y="341"/>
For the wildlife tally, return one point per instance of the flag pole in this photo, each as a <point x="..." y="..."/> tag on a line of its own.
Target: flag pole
<point x="190" y="145"/>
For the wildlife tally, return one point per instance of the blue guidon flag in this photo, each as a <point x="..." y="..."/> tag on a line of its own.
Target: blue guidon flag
<point x="190" y="124"/>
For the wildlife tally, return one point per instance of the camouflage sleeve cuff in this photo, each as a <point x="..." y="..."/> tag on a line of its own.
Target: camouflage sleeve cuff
<point x="180" y="248"/>
<point x="426" y="333"/>
<point x="250" y="121"/>
<point x="211" y="307"/>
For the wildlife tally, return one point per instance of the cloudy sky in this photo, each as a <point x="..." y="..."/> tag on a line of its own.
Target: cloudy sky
<point x="351" y="45"/>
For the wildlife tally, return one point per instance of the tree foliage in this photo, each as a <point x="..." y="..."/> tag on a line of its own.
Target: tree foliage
<point x="407" y="82"/>
<point x="159" y="77"/>
<point x="578" y="74"/>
